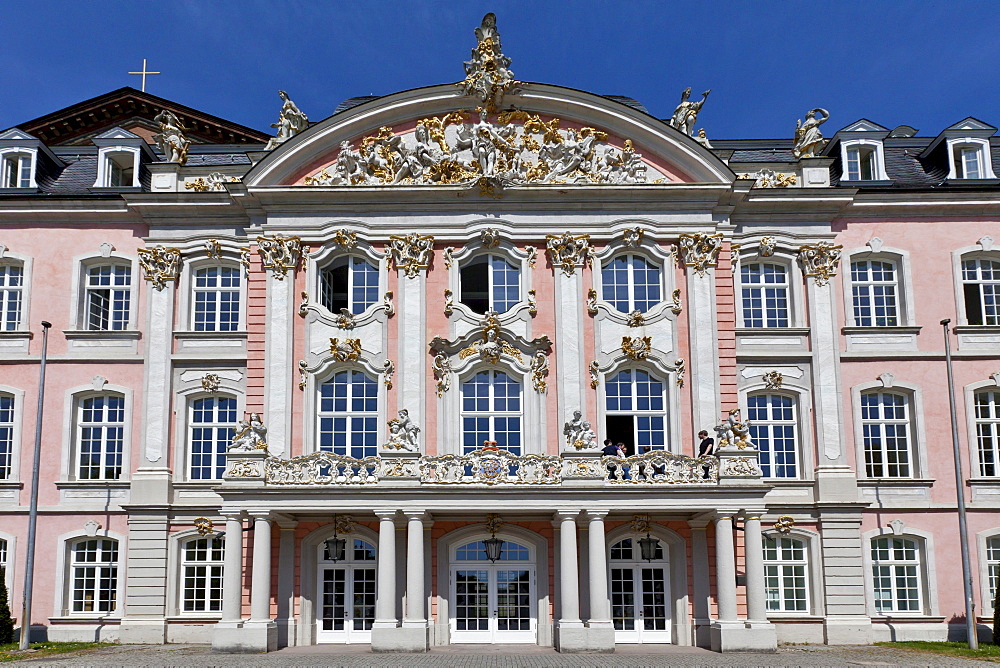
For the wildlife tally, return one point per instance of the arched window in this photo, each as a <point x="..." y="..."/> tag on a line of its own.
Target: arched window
<point x="107" y="297"/>
<point x="11" y="295"/>
<point x="764" y="294"/>
<point x="634" y="403"/>
<point x="981" y="291"/>
<point x="490" y="283"/>
<point x="875" y="293"/>
<point x="93" y="576"/>
<point x="992" y="569"/>
<point x="491" y="411"/>
<point x="349" y="282"/>
<point x="211" y="426"/>
<point x="886" y="434"/>
<point x="100" y="436"/>
<point x="987" y="406"/>
<point x="6" y="435"/>
<point x="216" y="300"/>
<point x="786" y="574"/>
<point x="897" y="575"/>
<point x="348" y="415"/>
<point x="626" y="550"/>
<point x="15" y="170"/>
<point x="201" y="574"/>
<point x="774" y="429"/>
<point x="631" y="283"/>
<point x="476" y="551"/>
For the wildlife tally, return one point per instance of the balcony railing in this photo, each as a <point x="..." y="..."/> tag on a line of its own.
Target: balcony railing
<point x="495" y="467"/>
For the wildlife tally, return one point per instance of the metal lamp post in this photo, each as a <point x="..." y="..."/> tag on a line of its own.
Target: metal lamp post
<point x="963" y="532"/>
<point x="29" y="571"/>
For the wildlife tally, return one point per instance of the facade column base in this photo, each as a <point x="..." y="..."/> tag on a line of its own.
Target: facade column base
<point x="836" y="484"/>
<point x="245" y="637"/>
<point x="702" y="632"/>
<point x="574" y="638"/>
<point x="388" y="639"/>
<point x="741" y="636"/>
<point x="143" y="631"/>
<point x="847" y="631"/>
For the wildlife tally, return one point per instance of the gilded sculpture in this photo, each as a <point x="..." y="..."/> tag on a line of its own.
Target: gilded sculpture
<point x="160" y="265"/>
<point x="170" y="139"/>
<point x="412" y="252"/>
<point x="279" y="253"/>
<point x="808" y="138"/>
<point x="487" y="73"/>
<point x="686" y="113"/>
<point x="700" y="251"/>
<point x="820" y="260"/>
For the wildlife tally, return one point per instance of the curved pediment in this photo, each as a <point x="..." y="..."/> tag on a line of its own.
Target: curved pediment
<point x="439" y="136"/>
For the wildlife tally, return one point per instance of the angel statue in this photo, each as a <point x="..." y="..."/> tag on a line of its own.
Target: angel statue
<point x="251" y="436"/>
<point x="170" y="139"/>
<point x="403" y="433"/>
<point x="291" y="121"/>
<point x="808" y="138"/>
<point x="686" y="112"/>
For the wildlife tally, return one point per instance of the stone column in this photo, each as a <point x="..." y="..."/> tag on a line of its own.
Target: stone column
<point x="227" y="636"/>
<point x="754" y="548"/>
<point x="261" y="631"/>
<point x="701" y="582"/>
<point x="415" y="603"/>
<point x="725" y="568"/>
<point x="569" y="576"/>
<point x="385" y="600"/>
<point x="286" y="582"/>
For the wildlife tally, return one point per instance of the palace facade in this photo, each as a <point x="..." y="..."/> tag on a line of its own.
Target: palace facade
<point x="351" y="384"/>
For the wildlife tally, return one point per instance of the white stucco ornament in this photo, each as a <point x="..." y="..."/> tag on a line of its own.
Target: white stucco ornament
<point x="403" y="433"/>
<point x="251" y="436"/>
<point x="170" y="139"/>
<point x="820" y="260"/>
<point x="700" y="251"/>
<point x="291" y="121"/>
<point x="487" y="73"/>
<point x="567" y="252"/>
<point x="159" y="265"/>
<point x="441" y="366"/>
<point x="808" y="139"/>
<point x="412" y="252"/>
<point x="579" y="434"/>
<point x="279" y="254"/>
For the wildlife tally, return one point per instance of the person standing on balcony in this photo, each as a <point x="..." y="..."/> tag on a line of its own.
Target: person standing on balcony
<point x="707" y="446"/>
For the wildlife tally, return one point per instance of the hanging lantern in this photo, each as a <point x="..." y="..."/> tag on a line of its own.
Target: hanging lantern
<point x="335" y="546"/>
<point x="648" y="547"/>
<point x="493" y="548"/>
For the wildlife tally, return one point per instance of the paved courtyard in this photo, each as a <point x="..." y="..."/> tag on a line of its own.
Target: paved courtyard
<point x="509" y="656"/>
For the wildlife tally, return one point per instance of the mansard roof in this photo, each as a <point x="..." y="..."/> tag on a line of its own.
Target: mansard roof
<point x="133" y="110"/>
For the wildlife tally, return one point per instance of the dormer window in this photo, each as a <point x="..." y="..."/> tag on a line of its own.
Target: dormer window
<point x="968" y="162"/>
<point x="966" y="148"/>
<point x="119" y="155"/>
<point x="861" y="164"/>
<point x="16" y="172"/>
<point x="120" y="169"/>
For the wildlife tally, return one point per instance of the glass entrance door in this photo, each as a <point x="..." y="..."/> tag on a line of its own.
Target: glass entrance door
<point x="639" y="596"/>
<point x="493" y="603"/>
<point x="346" y="602"/>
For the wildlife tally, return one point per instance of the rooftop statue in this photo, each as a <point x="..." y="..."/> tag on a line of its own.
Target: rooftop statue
<point x="686" y="112"/>
<point x="291" y="121"/>
<point x="808" y="138"/>
<point x="170" y="139"/>
<point x="486" y="74"/>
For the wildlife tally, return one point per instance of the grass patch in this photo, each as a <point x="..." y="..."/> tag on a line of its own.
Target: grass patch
<point x="986" y="651"/>
<point x="9" y="651"/>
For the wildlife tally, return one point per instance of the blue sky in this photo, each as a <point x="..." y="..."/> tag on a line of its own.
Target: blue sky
<point x="925" y="64"/>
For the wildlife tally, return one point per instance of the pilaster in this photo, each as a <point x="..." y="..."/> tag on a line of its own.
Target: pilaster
<point x="703" y="325"/>
<point x="701" y="606"/>
<point x="146" y="573"/>
<point x="846" y="620"/>
<point x="569" y="353"/>
<point x="278" y="382"/>
<point x="411" y="369"/>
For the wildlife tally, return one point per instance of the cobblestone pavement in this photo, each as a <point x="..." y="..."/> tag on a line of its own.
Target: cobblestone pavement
<point x="148" y="656"/>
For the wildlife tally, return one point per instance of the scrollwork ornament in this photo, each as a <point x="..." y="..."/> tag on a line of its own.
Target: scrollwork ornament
<point x="160" y="265"/>
<point x="773" y="380"/>
<point x="594" y="369"/>
<point x="592" y="301"/>
<point x="640" y="523"/>
<point x="635" y="319"/>
<point x="449" y="302"/>
<point x="303" y="374"/>
<point x="345" y="239"/>
<point x="632" y="237"/>
<point x="244" y="469"/>
<point x="767" y="246"/>
<point x="567" y="252"/>
<point x="441" y="366"/>
<point x="532" y="255"/>
<point x="345" y="319"/>
<point x="675" y="305"/>
<point x="820" y="260"/>
<point x="304" y="304"/>
<point x="388" y="369"/>
<point x="213" y="249"/>
<point x="449" y="256"/>
<point x="637" y="347"/>
<point x="700" y="251"/>
<point x="490" y="237"/>
<point x="280" y="254"/>
<point x="539" y="370"/>
<point x="493" y="523"/>
<point x="412" y="252"/>
<point x="348" y="350"/>
<point x="205" y="526"/>
<point x="740" y="466"/>
<point x="784" y="524"/>
<point x="245" y="260"/>
<point x="387" y="305"/>
<point x="532" y="303"/>
<point x="680" y="367"/>
<point x="487" y="74"/>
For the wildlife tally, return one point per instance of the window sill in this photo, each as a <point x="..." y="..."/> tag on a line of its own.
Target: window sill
<point x="988" y="482"/>
<point x="17" y="334"/>
<point x="193" y="618"/>
<point x="789" y="482"/>
<point x="976" y="329"/>
<point x="87" y="619"/>
<point x="894" y="329"/>
<point x="11" y="484"/>
<point x="794" y="617"/>
<point x="859" y="183"/>
<point x="190" y="334"/>
<point x="787" y="331"/>
<point x="90" y="484"/>
<point x="896" y="482"/>
<point x="906" y="617"/>
<point x="971" y="182"/>
<point x="19" y="191"/>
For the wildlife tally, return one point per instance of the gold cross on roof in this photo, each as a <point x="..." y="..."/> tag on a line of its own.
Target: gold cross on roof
<point x="144" y="73"/>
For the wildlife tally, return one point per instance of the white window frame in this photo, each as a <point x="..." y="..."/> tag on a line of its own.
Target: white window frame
<point x="781" y="564"/>
<point x="867" y="288"/>
<point x="63" y="600"/>
<point x="489" y="255"/>
<point x="979" y="144"/>
<point x="21" y="152"/>
<point x="666" y="413"/>
<point x="70" y="459"/>
<point x="986" y="566"/>
<point x="180" y="572"/>
<point x="194" y="290"/>
<point x="795" y="423"/>
<point x="491" y="412"/>
<point x="790" y="311"/>
<point x="78" y="306"/>
<point x="191" y="390"/>
<point x="15" y="438"/>
<point x="629" y="254"/>
<point x="877" y="152"/>
<point x="79" y="425"/>
<point x="25" y="261"/>
<point x="917" y="435"/>
<point x="905" y="302"/>
<point x="349" y="257"/>
<point x="509" y="252"/>
<point x="319" y="415"/>
<point x="7" y="293"/>
<point x="106" y="154"/>
<point x="928" y="574"/>
<point x="975" y="257"/>
<point x="975" y="461"/>
<point x="190" y="426"/>
<point x="9" y="565"/>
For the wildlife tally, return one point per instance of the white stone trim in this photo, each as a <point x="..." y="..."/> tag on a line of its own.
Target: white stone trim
<point x="175" y="579"/>
<point x="969" y="396"/>
<point x="796" y="292"/>
<point x="229" y="259"/>
<point x="918" y="439"/>
<point x="876" y="146"/>
<point x="905" y="301"/>
<point x="801" y="392"/>
<point x="61" y="599"/>
<point x="32" y="170"/>
<point x="279" y="382"/>
<point x="928" y="575"/>
<point x="10" y="570"/>
<point x="814" y="569"/>
<point x="327" y="253"/>
<point x="672" y="399"/>
<point x="985" y="157"/>
<point x="827" y="388"/>
<point x="182" y="427"/>
<point x="71" y="399"/>
<point x="703" y="325"/>
<point x="102" y="165"/>
<point x="326" y="371"/>
<point x="982" y="568"/>
<point x="81" y="263"/>
<point x="17" y="443"/>
<point x="26" y="262"/>
<point x="463" y="318"/>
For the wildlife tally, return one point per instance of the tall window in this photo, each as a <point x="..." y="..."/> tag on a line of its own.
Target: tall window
<point x="874" y="287"/>
<point x="348" y="283"/>
<point x="11" y="291"/>
<point x="6" y="435"/>
<point x="981" y="290"/>
<point x="786" y="574"/>
<point x="217" y="299"/>
<point x="773" y="428"/>
<point x="5" y="564"/>
<point x="120" y="169"/>
<point x="108" y="296"/>
<point x="993" y="569"/>
<point x="631" y="283"/>
<point x="765" y="295"/>
<point x="861" y="163"/>
<point x="490" y="282"/>
<point x="635" y="411"/>
<point x="491" y="411"/>
<point x="100" y="430"/>
<point x="212" y="422"/>
<point x="896" y="575"/>
<point x="885" y="425"/>
<point x="348" y="415"/>
<point x="16" y="170"/>
<point x="201" y="566"/>
<point x="988" y="432"/>
<point x="94" y="576"/>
